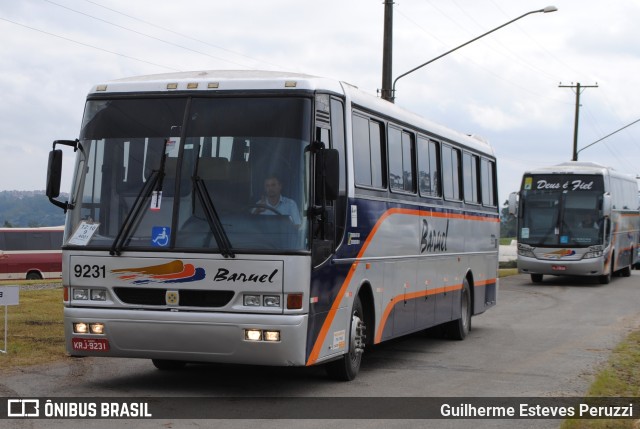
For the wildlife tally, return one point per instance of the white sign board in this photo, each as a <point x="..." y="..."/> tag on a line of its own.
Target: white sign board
<point x="83" y="233"/>
<point x="9" y="295"/>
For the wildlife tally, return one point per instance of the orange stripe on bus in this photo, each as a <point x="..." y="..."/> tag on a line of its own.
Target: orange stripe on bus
<point x="315" y="352"/>
<point x="418" y="294"/>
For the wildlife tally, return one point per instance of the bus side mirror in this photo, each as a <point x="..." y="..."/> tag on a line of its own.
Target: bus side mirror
<point x="54" y="173"/>
<point x="513" y="203"/>
<point x="606" y="205"/>
<point x="331" y="161"/>
<point x="54" y="177"/>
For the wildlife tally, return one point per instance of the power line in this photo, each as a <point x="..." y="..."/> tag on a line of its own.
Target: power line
<point x="144" y="34"/>
<point x="88" y="45"/>
<point x="164" y="28"/>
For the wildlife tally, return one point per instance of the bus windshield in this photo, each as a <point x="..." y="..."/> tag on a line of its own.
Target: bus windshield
<point x="196" y="174"/>
<point x="561" y="210"/>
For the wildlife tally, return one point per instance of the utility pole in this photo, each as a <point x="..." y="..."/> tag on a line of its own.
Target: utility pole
<point x="579" y="88"/>
<point x="387" y="52"/>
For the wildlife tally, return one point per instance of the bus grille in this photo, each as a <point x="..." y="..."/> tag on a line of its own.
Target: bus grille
<point x="188" y="298"/>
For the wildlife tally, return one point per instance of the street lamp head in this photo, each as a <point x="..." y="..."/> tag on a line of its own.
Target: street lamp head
<point x="549" y="9"/>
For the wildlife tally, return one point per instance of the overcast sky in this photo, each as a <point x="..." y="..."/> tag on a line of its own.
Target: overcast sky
<point x="504" y="87"/>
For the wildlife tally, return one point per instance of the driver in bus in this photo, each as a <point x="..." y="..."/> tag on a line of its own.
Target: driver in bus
<point x="274" y="203"/>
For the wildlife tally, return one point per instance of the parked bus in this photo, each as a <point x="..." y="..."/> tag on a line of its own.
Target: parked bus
<point x="577" y="219"/>
<point x="269" y="218"/>
<point x="31" y="253"/>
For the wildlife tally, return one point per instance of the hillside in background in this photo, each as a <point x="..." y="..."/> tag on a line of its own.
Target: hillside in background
<point x="29" y="209"/>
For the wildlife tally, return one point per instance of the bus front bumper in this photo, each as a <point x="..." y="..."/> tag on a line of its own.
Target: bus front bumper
<point x="187" y="336"/>
<point x="583" y="267"/>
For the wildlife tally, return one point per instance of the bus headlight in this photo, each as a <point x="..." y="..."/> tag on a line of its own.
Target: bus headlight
<point x="594" y="252"/>
<point x="98" y="294"/>
<point x="526" y="251"/>
<point x="96" y="328"/>
<point x="80" y="328"/>
<point x="80" y="294"/>
<point x="251" y="300"/>
<point x="253" y="334"/>
<point x="272" y="301"/>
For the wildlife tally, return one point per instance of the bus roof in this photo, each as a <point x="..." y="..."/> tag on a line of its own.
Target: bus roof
<point x="579" y="167"/>
<point x="247" y="80"/>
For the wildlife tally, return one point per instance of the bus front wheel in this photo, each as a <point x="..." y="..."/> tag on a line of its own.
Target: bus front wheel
<point x="536" y="278"/>
<point x="347" y="367"/>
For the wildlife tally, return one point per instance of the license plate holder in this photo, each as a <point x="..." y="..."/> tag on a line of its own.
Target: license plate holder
<point x="90" y="344"/>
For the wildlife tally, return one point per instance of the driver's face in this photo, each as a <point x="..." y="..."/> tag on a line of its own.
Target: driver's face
<point x="272" y="187"/>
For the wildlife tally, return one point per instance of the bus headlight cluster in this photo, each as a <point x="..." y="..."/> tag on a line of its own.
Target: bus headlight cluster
<point x="95" y="328"/>
<point x="262" y="335"/>
<point x="524" y="250"/>
<point x="81" y="294"/>
<point x="594" y="252"/>
<point x="261" y="300"/>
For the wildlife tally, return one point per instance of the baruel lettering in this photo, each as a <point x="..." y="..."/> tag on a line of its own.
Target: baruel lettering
<point x="432" y="240"/>
<point x="224" y="275"/>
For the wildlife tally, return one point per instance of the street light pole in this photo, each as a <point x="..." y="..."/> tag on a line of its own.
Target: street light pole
<point x="393" y="89"/>
<point x="387" y="51"/>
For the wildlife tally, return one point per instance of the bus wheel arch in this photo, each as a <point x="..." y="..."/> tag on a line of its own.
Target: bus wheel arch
<point x="34" y="275"/>
<point x="346" y="368"/>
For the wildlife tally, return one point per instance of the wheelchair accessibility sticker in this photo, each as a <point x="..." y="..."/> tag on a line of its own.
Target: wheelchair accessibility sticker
<point x="160" y="236"/>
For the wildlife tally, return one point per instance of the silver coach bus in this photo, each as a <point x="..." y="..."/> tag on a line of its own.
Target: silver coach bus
<point x="577" y="219"/>
<point x="268" y="218"/>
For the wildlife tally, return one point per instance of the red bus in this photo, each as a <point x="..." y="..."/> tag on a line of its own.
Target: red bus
<point x="31" y="253"/>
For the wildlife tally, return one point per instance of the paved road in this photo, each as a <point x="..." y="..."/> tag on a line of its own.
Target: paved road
<point x="540" y="340"/>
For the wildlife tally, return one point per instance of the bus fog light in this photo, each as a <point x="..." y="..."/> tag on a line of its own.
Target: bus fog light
<point x="252" y="300"/>
<point x="272" y="336"/>
<point x="96" y="328"/>
<point x="80" y="328"/>
<point x="253" y="334"/>
<point x="98" y="295"/>
<point x="272" y="301"/>
<point x="81" y="294"/>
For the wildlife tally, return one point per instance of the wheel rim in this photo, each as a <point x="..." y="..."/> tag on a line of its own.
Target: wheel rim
<point x="465" y="309"/>
<point x="356" y="345"/>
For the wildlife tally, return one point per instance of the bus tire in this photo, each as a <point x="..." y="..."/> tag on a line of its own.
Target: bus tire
<point x="536" y="278"/>
<point x="168" y="365"/>
<point x="34" y="275"/>
<point x="458" y="329"/>
<point x="626" y="271"/>
<point x="605" y="279"/>
<point x="347" y="367"/>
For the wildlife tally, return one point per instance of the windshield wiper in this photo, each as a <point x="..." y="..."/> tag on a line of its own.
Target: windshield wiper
<point x="155" y="182"/>
<point x="213" y="219"/>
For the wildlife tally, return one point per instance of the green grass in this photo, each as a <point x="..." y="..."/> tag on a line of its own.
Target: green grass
<point x="620" y="377"/>
<point x="35" y="329"/>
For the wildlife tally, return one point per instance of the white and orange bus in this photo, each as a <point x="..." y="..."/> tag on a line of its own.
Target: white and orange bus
<point x="31" y="253"/>
<point x="389" y="223"/>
